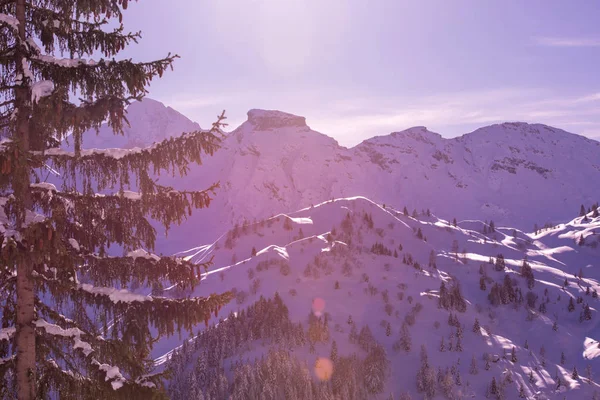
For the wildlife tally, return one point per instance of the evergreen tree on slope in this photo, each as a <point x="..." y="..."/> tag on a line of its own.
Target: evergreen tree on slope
<point x="58" y="335"/>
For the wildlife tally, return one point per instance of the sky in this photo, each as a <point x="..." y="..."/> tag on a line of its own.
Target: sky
<point x="356" y="69"/>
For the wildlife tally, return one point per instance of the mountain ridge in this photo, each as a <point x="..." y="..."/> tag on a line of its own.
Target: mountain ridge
<point x="515" y="173"/>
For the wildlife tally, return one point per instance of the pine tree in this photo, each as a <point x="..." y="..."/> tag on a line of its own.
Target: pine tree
<point x="432" y="263"/>
<point x="376" y="368"/>
<point x="493" y="387"/>
<point x="476" y="327"/>
<point x="405" y="341"/>
<point x="334" y="352"/>
<point x="426" y="376"/>
<point x="587" y="313"/>
<point x="500" y="264"/>
<point x="51" y="238"/>
<point x="405" y="396"/>
<point x="473" y="368"/>
<point x="482" y="284"/>
<point x="513" y="355"/>
<point x="571" y="306"/>
<point x="575" y="374"/>
<point x="582" y="211"/>
<point x="253" y="253"/>
<point x="454" y="249"/>
<point x="563" y="359"/>
<point x="522" y="394"/>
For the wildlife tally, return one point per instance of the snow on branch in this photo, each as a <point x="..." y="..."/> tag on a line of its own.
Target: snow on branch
<point x="74" y="333"/>
<point x="115" y="295"/>
<point x="7" y="333"/>
<point x="141" y="253"/>
<point x="8" y="360"/>
<point x="41" y="89"/>
<point x="64" y="62"/>
<point x="10" y="21"/>
<point x="141" y="266"/>
<point x="4" y="143"/>
<point x="112" y="374"/>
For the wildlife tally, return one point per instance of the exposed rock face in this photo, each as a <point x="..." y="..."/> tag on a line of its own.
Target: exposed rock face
<point x="263" y="120"/>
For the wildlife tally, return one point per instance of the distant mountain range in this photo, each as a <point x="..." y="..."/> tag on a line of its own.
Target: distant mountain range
<point x="516" y="174"/>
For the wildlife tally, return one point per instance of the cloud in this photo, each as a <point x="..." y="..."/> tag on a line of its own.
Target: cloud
<point x="189" y="103"/>
<point x="457" y="113"/>
<point x="567" y="42"/>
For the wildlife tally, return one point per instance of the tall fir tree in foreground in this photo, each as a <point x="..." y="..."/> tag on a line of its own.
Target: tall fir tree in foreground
<point x="68" y="326"/>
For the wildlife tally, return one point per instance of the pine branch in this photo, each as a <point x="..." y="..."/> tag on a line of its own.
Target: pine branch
<point x="7" y="367"/>
<point x="77" y="36"/>
<point x="113" y="167"/>
<point x="54" y="117"/>
<point x="105" y="383"/>
<point x="124" y="270"/>
<point x="165" y="205"/>
<point x="109" y="350"/>
<point x="7" y="102"/>
<point x="99" y="78"/>
<point x="10" y="22"/>
<point x="168" y="316"/>
<point x="90" y="10"/>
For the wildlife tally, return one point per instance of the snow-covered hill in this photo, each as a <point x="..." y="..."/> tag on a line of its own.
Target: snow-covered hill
<point x="355" y="264"/>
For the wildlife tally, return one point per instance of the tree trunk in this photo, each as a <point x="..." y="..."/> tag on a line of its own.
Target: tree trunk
<point x="25" y="334"/>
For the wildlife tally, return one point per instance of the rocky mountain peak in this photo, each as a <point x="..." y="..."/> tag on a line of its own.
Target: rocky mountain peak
<point x="264" y="120"/>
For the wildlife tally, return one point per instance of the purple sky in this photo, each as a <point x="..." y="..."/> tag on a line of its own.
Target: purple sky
<point x="356" y="69"/>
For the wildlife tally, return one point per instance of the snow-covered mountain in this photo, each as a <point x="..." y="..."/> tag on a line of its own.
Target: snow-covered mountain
<point x="463" y="293"/>
<point x="516" y="174"/>
<point x="149" y="121"/>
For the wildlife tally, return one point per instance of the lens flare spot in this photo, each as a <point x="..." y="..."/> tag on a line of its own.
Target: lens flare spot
<point x="323" y="369"/>
<point x="318" y="306"/>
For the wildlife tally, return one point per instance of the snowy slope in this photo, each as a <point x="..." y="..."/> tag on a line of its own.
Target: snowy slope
<point x="316" y="262"/>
